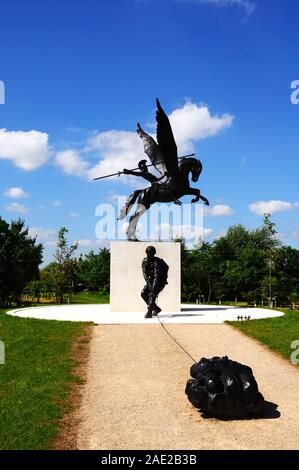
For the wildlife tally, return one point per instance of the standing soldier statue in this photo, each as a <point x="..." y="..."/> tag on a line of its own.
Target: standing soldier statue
<point x="155" y="272"/>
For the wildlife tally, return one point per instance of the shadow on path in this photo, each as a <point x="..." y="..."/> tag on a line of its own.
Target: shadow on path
<point x="270" y="411"/>
<point x="177" y="315"/>
<point x="199" y="309"/>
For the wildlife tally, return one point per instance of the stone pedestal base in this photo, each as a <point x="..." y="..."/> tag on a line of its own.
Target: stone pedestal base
<point x="126" y="278"/>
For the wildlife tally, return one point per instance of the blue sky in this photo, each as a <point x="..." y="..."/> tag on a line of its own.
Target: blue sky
<point x="79" y="75"/>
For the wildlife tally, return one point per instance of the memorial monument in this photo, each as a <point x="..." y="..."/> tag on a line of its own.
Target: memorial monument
<point x="127" y="269"/>
<point x="126" y="275"/>
<point x="219" y="386"/>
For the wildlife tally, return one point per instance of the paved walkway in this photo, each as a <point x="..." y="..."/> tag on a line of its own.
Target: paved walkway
<point x="101" y="314"/>
<point x="134" y="395"/>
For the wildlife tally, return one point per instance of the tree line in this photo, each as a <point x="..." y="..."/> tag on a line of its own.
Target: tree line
<point x="22" y="280"/>
<point x="68" y="274"/>
<point x="242" y="265"/>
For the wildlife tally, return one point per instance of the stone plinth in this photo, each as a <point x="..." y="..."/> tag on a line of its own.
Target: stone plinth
<point x="126" y="278"/>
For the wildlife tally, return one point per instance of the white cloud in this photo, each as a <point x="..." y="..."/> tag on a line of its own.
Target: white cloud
<point x="83" y="242"/>
<point x="296" y="205"/>
<point x="103" y="243"/>
<point x="16" y="193"/>
<point x="51" y="243"/>
<point x="219" y="210"/>
<point x="119" y="149"/>
<point x="247" y="5"/>
<point x="270" y="207"/>
<point x="42" y="233"/>
<point x="71" y="163"/>
<point x="188" y="232"/>
<point x="74" y="215"/>
<point x="56" y="203"/>
<point x="16" y="207"/>
<point x="194" y="122"/>
<point x="27" y="150"/>
<point x="117" y="199"/>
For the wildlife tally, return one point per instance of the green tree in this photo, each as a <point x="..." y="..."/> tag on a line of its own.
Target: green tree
<point x="203" y="270"/>
<point x="267" y="241"/>
<point x="286" y="269"/>
<point x="236" y="266"/>
<point x="50" y="280"/>
<point x="34" y="290"/>
<point x="20" y="257"/>
<point x="65" y="267"/>
<point x="227" y="254"/>
<point x="94" y="271"/>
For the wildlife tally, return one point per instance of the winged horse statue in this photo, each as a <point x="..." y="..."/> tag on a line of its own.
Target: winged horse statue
<point x="163" y="155"/>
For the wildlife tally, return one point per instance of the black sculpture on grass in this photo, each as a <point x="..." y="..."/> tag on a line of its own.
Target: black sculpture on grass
<point x="224" y="388"/>
<point x="164" y="157"/>
<point x="155" y="272"/>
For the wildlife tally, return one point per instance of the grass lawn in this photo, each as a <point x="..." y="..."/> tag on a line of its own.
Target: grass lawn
<point x="79" y="298"/>
<point x="35" y="380"/>
<point x="90" y="298"/>
<point x="276" y="333"/>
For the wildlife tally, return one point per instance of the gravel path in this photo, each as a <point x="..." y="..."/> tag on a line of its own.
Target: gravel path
<point x="134" y="395"/>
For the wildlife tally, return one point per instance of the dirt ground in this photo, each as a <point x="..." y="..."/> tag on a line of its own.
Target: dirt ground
<point x="68" y="429"/>
<point x="134" y="394"/>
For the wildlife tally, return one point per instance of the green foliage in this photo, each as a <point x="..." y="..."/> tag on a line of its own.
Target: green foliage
<point x="34" y="382"/>
<point x="286" y="268"/>
<point x="64" y="269"/>
<point x="242" y="266"/>
<point x="93" y="271"/>
<point x="66" y="277"/>
<point x="246" y="265"/>
<point x="20" y="257"/>
<point x="90" y="298"/>
<point x="34" y="290"/>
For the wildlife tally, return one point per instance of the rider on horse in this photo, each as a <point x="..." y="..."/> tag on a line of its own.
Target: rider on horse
<point x="144" y="173"/>
<point x="164" y="157"/>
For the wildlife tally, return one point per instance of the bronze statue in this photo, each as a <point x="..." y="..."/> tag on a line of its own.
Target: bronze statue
<point x="224" y="388"/>
<point x="164" y="157"/>
<point x="144" y="173"/>
<point x="155" y="273"/>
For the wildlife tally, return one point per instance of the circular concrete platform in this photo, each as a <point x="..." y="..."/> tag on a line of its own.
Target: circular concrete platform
<point x="101" y="314"/>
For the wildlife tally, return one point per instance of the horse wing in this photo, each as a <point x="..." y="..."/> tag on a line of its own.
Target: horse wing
<point x="167" y="143"/>
<point x="152" y="150"/>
